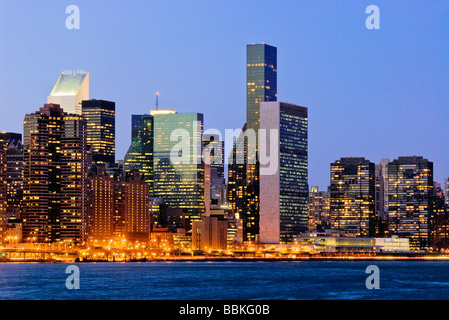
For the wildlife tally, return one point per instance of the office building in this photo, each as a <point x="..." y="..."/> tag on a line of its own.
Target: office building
<point x="352" y="193"/>
<point x="136" y="206"/>
<point x="101" y="205"/>
<point x="319" y="209"/>
<point x="54" y="176"/>
<point x="177" y="179"/>
<point x="14" y="172"/>
<point x="283" y="179"/>
<point x="237" y="182"/>
<point x="140" y="152"/>
<point x="261" y="76"/>
<point x="261" y="85"/>
<point x="100" y="119"/>
<point x="3" y="188"/>
<point x="410" y="193"/>
<point x="213" y="147"/>
<point x="71" y="88"/>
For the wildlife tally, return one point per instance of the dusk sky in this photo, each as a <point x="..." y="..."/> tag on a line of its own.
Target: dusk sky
<point x="370" y="93"/>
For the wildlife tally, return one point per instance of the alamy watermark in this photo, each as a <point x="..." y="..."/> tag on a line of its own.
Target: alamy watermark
<point x="249" y="148"/>
<point x="373" y="281"/>
<point x="73" y="280"/>
<point x="373" y="20"/>
<point x="73" y="20"/>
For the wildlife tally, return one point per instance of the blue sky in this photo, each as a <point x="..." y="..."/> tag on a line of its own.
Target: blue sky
<point x="371" y="93"/>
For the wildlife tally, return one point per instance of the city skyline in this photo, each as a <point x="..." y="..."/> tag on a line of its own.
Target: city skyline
<point x="372" y="75"/>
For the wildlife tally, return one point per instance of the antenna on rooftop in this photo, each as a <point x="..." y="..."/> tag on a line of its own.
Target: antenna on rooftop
<point x="157" y="100"/>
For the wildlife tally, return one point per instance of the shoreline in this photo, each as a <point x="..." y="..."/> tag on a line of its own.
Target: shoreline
<point x="411" y="257"/>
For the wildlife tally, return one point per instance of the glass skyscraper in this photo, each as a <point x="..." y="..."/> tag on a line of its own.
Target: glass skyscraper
<point x="179" y="184"/>
<point x="154" y="136"/>
<point x="140" y="153"/>
<point x="100" y="118"/>
<point x="261" y="76"/>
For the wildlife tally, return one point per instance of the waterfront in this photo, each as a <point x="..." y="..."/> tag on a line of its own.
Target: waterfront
<point x="302" y="280"/>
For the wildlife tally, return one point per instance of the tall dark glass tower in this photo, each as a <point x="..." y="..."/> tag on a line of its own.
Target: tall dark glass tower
<point x="100" y="118"/>
<point x="261" y="86"/>
<point x="140" y="153"/>
<point x="261" y="76"/>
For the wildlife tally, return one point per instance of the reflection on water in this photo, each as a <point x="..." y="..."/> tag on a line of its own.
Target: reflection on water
<point x="227" y="280"/>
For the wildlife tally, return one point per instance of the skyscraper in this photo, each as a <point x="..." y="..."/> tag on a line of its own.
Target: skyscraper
<point x="410" y="191"/>
<point x="237" y="182"/>
<point x="55" y="176"/>
<point x="261" y="86"/>
<point x="178" y="182"/>
<point x="283" y="178"/>
<point x="100" y="118"/>
<point x="213" y="146"/>
<point x="352" y="192"/>
<point x="70" y="90"/>
<point x="14" y="172"/>
<point x="140" y="152"/>
<point x="261" y="78"/>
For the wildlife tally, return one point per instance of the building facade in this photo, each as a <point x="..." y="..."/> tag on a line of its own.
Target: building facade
<point x="101" y="205"/>
<point x="284" y="178"/>
<point x="100" y="119"/>
<point x="3" y="188"/>
<point x="55" y="176"/>
<point x="352" y="194"/>
<point x="319" y="209"/>
<point x="410" y="191"/>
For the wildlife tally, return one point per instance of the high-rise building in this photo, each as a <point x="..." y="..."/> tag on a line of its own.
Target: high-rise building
<point x="352" y="193"/>
<point x="261" y="78"/>
<point x="319" y="209"/>
<point x="101" y="205"/>
<point x="175" y="177"/>
<point x="438" y="220"/>
<point x="381" y="193"/>
<point x="136" y="206"/>
<point x="283" y="177"/>
<point x="55" y="176"/>
<point x="100" y="118"/>
<point x="70" y="90"/>
<point x="14" y="172"/>
<point x="261" y="86"/>
<point x="410" y="193"/>
<point x="179" y="182"/>
<point x="237" y="182"/>
<point x="140" y="152"/>
<point x="214" y="147"/>
<point x="3" y="188"/>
